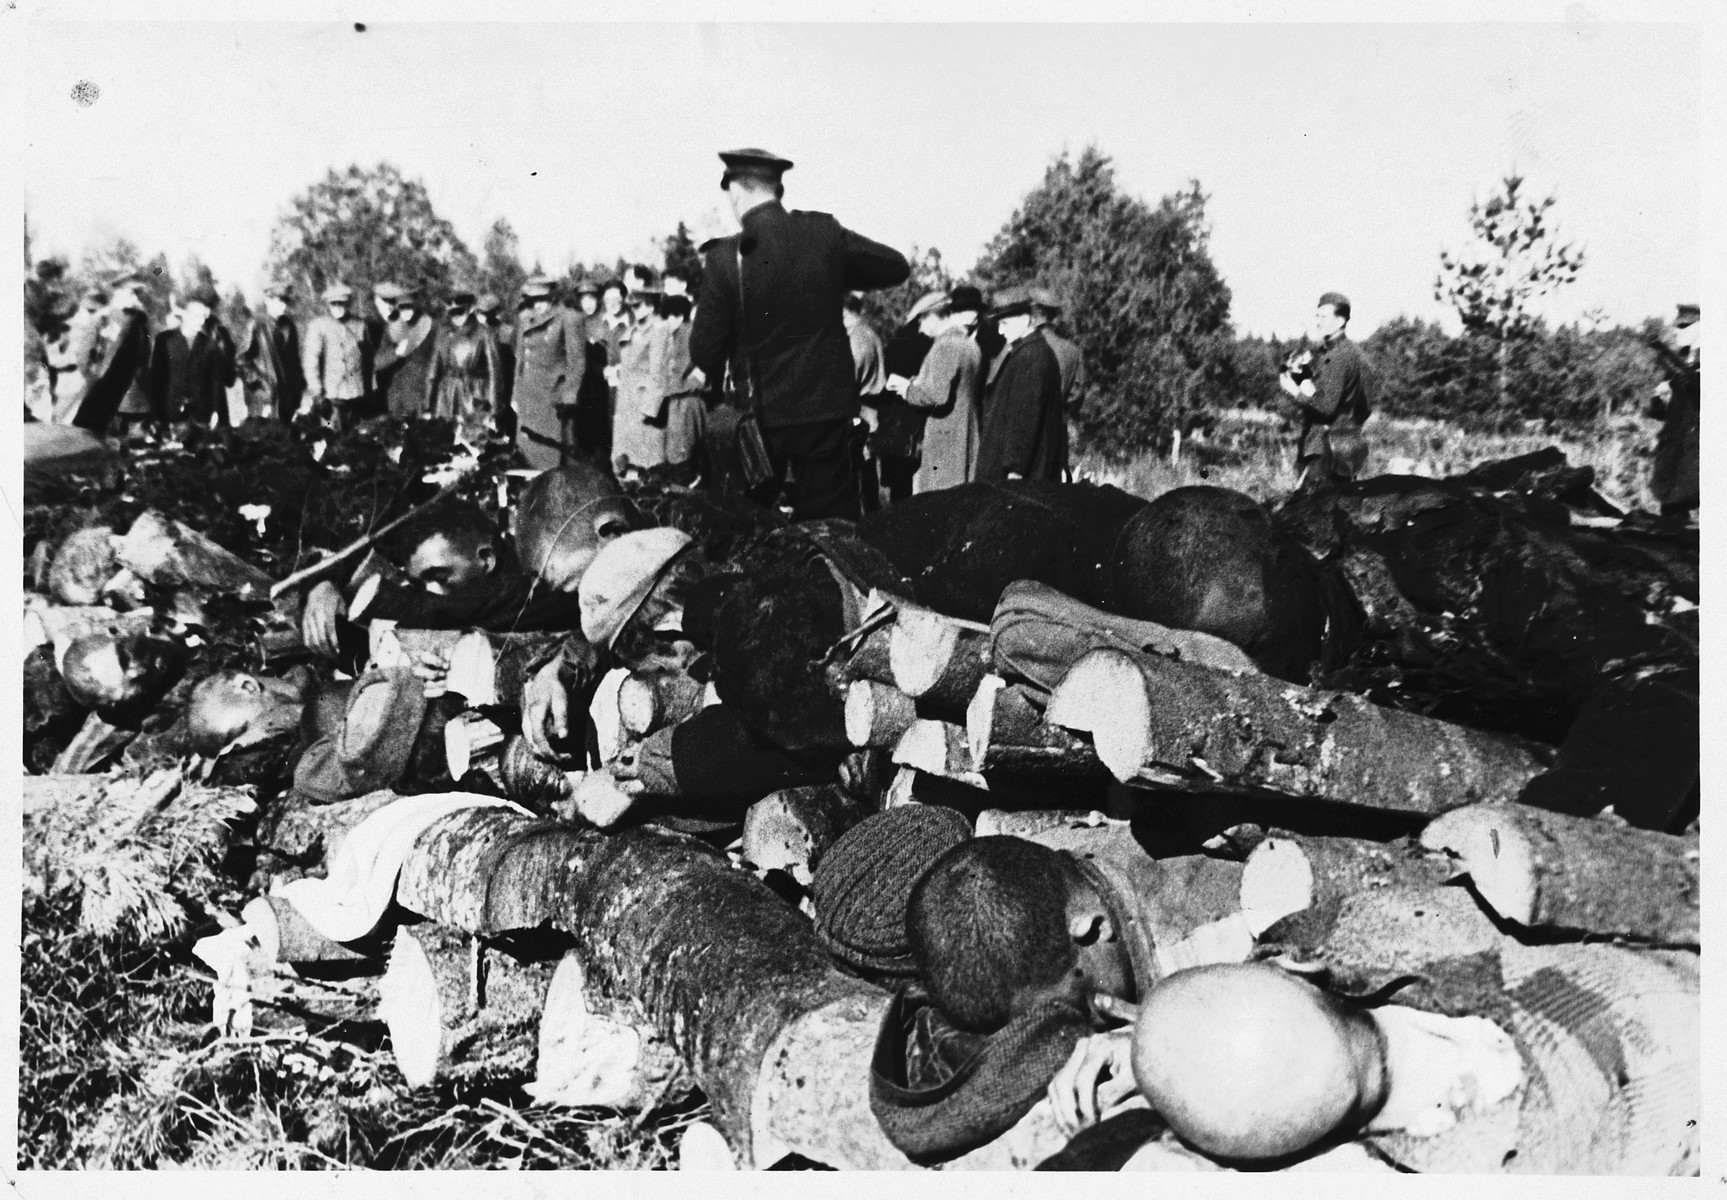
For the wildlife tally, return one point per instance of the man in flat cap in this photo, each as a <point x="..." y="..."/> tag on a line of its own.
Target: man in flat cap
<point x="771" y="303"/>
<point x="269" y="359"/>
<point x="336" y="359"/>
<point x="1334" y="391"/>
<point x="948" y="387"/>
<point x="1068" y="355"/>
<point x="1024" y="432"/>
<point x="491" y="310"/>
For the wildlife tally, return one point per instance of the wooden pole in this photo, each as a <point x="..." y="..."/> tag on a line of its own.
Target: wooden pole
<point x="333" y="560"/>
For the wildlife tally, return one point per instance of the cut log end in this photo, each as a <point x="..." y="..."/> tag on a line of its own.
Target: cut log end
<point x="980" y="718"/>
<point x="1276" y="882"/>
<point x="1494" y="852"/>
<point x="413" y="1010"/>
<point x="937" y="748"/>
<point x="1104" y="695"/>
<point x="877" y="714"/>
<point x="920" y="648"/>
<point x="638" y="705"/>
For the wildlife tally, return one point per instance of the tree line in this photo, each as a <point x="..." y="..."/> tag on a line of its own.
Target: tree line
<point x="1142" y="297"/>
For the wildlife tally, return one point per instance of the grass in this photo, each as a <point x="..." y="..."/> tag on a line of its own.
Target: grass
<point x="1254" y="452"/>
<point x="121" y="1068"/>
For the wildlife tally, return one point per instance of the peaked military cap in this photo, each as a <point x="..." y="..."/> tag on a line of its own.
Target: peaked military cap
<point x="752" y="161"/>
<point x="537" y="285"/>
<point x="339" y="292"/>
<point x="462" y="300"/>
<point x="389" y="291"/>
<point x="1688" y="315"/>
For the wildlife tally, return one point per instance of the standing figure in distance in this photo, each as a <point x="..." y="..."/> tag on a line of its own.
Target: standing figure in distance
<point x="550" y="353"/>
<point x="466" y="374"/>
<point x="771" y="303"/>
<point x="1334" y="394"/>
<point x="191" y="367"/>
<point x="336" y="361"/>
<point x="269" y="362"/>
<point x="1024" y="430"/>
<point x="947" y="387"/>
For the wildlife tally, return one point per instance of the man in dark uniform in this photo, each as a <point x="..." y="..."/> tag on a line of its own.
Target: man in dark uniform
<point x="772" y="299"/>
<point x="1674" y="482"/>
<point x="1334" y="391"/>
<point x="1024" y="434"/>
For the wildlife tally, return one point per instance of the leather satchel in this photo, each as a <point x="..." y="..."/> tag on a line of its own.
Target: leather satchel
<point x="755" y="467"/>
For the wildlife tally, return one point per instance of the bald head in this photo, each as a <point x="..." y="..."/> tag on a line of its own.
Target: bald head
<point x="1247" y="1061"/>
<point x="564" y="517"/>
<point x="232" y="705"/>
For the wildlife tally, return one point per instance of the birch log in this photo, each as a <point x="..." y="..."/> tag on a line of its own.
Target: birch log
<point x="1170" y="723"/>
<point x="1547" y="869"/>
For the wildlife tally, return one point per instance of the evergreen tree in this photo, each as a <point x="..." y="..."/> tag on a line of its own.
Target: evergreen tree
<point x="501" y="270"/>
<point x="1143" y="299"/>
<point x="1513" y="260"/>
<point x="365" y="227"/>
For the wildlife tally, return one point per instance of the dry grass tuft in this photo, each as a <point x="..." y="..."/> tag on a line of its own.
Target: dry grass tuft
<point x="1253" y="451"/>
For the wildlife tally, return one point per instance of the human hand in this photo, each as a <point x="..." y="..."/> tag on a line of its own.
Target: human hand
<point x="545" y="711"/>
<point x="1098" y="1075"/>
<point x="432" y="668"/>
<point x="897" y="384"/>
<point x="319" y="618"/>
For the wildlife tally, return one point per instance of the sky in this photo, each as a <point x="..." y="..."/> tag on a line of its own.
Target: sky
<point x="1336" y="156"/>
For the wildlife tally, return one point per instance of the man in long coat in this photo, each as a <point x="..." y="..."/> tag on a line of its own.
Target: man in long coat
<point x="192" y="367"/>
<point x="405" y="359"/>
<point x="771" y="299"/>
<point x="269" y="361"/>
<point x="947" y="387"/>
<point x="127" y="354"/>
<point x="1024" y="434"/>
<point x="551" y="351"/>
<point x="464" y="383"/>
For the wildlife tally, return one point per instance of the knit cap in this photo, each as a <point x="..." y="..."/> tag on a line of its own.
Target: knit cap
<point x="863" y="884"/>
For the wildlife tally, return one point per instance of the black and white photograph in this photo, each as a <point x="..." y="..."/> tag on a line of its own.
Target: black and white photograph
<point x="905" y="588"/>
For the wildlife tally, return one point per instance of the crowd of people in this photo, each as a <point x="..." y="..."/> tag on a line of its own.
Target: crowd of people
<point x="732" y="546"/>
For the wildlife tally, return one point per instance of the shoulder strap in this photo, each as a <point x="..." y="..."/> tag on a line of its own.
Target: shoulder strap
<point x="744" y="332"/>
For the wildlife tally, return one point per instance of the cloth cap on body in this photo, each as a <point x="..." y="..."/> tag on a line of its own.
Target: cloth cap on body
<point x="621" y="576"/>
<point x="1336" y="300"/>
<point x="338" y="293"/>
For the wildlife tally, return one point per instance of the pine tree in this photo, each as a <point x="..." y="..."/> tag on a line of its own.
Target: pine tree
<point x="1513" y="260"/>
<point x="1142" y="298"/>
